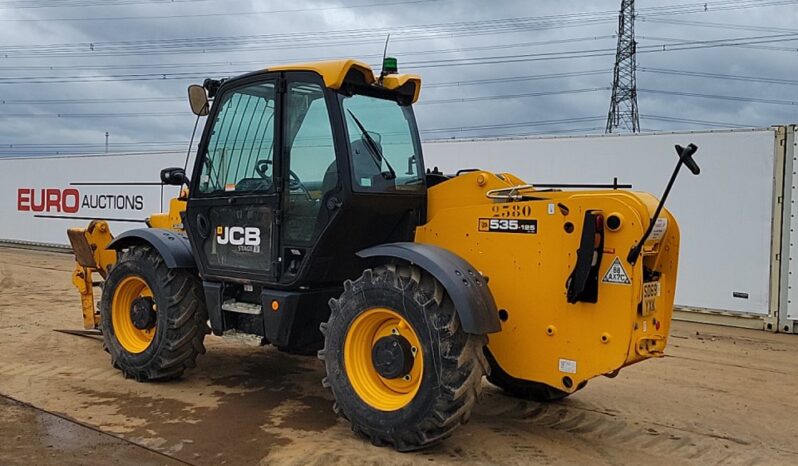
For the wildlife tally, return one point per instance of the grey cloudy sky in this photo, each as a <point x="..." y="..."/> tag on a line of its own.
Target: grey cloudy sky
<point x="70" y="72"/>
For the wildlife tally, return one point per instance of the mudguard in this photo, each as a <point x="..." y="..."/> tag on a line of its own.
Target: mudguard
<point x="468" y="289"/>
<point x="174" y="248"/>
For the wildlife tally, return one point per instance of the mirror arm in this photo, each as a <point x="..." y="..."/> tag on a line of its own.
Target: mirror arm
<point x="684" y="155"/>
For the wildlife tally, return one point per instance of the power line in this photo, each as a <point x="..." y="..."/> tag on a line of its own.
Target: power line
<point x="146" y="152"/>
<point x="668" y="9"/>
<point x="721" y="97"/>
<point x="65" y="147"/>
<point x="84" y="3"/>
<point x="728" y="42"/>
<point x="509" y="79"/>
<point x="694" y="122"/>
<point x="511" y="96"/>
<point x="204" y="43"/>
<point x="755" y="47"/>
<point x="218" y="14"/>
<point x="89" y="144"/>
<point x="520" y="124"/>
<point x="430" y="102"/>
<point x="462" y="83"/>
<point x="164" y="66"/>
<point x="94" y="115"/>
<point x="686" y="22"/>
<point x="549" y="132"/>
<point x="166" y="152"/>
<point x="734" y="77"/>
<point x="207" y="44"/>
<point x="420" y="64"/>
<point x="181" y="114"/>
<point x="90" y="101"/>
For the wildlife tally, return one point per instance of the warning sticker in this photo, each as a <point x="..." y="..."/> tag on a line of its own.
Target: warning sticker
<point x="660" y="227"/>
<point x="616" y="274"/>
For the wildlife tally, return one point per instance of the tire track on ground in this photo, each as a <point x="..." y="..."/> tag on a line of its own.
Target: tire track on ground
<point x="613" y="430"/>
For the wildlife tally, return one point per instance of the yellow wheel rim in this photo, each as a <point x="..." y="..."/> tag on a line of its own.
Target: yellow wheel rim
<point x="377" y="391"/>
<point x="133" y="339"/>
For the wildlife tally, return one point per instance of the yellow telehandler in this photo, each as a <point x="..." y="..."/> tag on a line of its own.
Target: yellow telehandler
<point x="310" y="222"/>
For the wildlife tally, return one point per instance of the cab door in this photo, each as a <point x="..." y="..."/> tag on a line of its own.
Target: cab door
<point x="235" y="195"/>
<point x="311" y="169"/>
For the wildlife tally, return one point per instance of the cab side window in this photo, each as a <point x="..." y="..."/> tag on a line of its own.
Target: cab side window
<point x="241" y="145"/>
<point x="310" y="154"/>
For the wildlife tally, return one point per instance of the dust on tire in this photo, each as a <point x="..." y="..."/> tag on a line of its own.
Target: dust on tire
<point x="451" y="381"/>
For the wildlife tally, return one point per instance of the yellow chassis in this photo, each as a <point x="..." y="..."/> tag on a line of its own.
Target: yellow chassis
<point x="543" y="338"/>
<point x="91" y="256"/>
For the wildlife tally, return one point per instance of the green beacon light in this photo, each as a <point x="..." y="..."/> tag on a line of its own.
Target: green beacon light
<point x="389" y="66"/>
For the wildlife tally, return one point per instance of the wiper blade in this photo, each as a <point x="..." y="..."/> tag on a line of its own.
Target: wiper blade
<point x="375" y="152"/>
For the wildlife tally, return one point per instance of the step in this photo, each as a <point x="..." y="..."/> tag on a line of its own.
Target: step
<point x="242" y="338"/>
<point x="231" y="305"/>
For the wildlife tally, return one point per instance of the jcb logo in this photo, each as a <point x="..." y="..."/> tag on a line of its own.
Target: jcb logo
<point x="238" y="236"/>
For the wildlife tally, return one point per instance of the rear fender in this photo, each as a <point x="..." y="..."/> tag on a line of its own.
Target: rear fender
<point x="469" y="291"/>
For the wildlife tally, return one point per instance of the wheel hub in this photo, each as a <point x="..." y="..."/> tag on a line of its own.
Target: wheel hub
<point x="142" y="313"/>
<point x="392" y="356"/>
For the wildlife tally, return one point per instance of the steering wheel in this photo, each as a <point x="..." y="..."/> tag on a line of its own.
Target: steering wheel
<point x="294" y="183"/>
<point x="262" y="167"/>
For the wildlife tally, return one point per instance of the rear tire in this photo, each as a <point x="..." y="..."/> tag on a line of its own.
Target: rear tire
<point x="447" y="368"/>
<point x="178" y="322"/>
<point x="519" y="388"/>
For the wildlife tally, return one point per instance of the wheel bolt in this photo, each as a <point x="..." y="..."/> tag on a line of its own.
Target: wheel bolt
<point x="407" y="378"/>
<point x="394" y="331"/>
<point x="413" y="350"/>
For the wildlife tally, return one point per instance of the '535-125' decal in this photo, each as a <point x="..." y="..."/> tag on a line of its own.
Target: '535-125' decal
<point x="508" y="225"/>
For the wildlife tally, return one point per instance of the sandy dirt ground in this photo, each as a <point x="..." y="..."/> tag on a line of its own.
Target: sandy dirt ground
<point x="721" y="396"/>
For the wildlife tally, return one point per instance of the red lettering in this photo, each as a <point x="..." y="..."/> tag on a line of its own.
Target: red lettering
<point x="23" y="199"/>
<point x="49" y="200"/>
<point x="73" y="195"/>
<point x="33" y="205"/>
<point x="53" y="197"/>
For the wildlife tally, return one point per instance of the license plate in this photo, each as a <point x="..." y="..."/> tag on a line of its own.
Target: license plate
<point x="651" y="292"/>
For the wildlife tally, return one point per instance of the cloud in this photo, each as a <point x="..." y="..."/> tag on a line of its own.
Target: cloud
<point x="64" y="49"/>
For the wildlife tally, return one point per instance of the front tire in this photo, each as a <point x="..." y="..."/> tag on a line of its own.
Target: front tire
<point x="400" y="366"/>
<point x="153" y="318"/>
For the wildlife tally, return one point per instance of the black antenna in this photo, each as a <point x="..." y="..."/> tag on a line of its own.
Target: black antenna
<point x="384" y="54"/>
<point x="191" y="143"/>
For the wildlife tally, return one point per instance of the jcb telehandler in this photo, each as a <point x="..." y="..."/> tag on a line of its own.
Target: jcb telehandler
<point x="310" y="222"/>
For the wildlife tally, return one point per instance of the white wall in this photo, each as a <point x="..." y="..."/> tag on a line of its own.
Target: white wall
<point x="24" y="181"/>
<point x="724" y="214"/>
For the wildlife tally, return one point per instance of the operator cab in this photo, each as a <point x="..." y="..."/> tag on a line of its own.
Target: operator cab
<point x="299" y="168"/>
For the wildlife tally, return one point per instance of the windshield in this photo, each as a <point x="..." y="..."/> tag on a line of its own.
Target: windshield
<point x="384" y="149"/>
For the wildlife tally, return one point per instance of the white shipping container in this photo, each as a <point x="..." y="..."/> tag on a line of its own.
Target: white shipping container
<point x="43" y="196"/>
<point x="730" y="216"/>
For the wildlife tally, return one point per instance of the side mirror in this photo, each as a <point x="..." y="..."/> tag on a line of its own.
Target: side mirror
<point x="174" y="176"/>
<point x="198" y="99"/>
